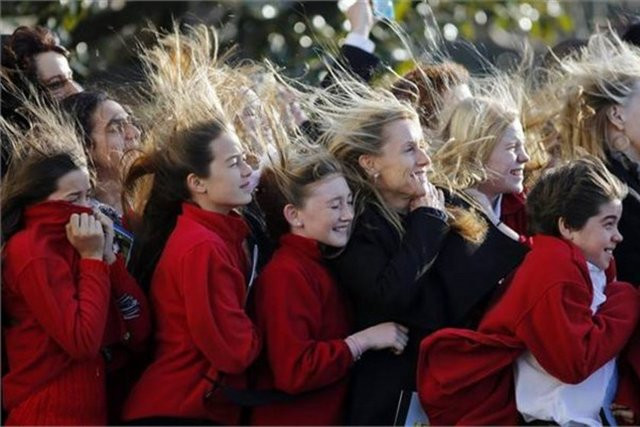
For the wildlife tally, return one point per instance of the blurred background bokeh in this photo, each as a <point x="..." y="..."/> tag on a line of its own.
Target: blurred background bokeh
<point x="102" y="34"/>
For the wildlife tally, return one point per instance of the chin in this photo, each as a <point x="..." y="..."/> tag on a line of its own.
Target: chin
<point x="336" y="242"/>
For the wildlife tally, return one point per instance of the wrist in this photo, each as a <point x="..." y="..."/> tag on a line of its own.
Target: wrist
<point x="110" y="258"/>
<point x="355" y="346"/>
<point x="93" y="255"/>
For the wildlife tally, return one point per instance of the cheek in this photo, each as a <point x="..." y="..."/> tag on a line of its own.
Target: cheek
<point x="502" y="163"/>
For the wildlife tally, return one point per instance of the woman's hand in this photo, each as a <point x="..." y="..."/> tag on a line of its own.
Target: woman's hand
<point x="430" y="197"/>
<point x="107" y="227"/>
<point x="85" y="234"/>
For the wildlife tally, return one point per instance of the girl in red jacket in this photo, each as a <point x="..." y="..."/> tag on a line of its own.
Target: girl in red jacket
<point x="61" y="283"/>
<point x="547" y="350"/>
<point x="192" y="249"/>
<point x="299" y="307"/>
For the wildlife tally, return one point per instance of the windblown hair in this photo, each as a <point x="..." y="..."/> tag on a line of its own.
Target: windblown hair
<point x="82" y="106"/>
<point x="467" y="138"/>
<point x="472" y="131"/>
<point x="425" y="87"/>
<point x="289" y="179"/>
<point x="575" y="192"/>
<point x="588" y="85"/>
<point x="352" y="117"/>
<point x="19" y="70"/>
<point x="183" y="116"/>
<point x="192" y="99"/>
<point x="41" y="155"/>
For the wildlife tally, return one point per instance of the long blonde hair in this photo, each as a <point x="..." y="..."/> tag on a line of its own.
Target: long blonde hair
<point x="603" y="75"/>
<point x="468" y="139"/>
<point x="352" y="116"/>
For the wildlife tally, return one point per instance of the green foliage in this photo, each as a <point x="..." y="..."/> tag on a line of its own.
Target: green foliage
<point x="292" y="34"/>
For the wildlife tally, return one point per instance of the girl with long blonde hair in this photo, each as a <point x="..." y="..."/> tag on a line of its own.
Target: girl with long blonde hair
<point x="479" y="163"/>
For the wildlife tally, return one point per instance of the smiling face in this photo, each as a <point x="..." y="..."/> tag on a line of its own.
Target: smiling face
<point x="599" y="236"/>
<point x="400" y="171"/>
<point x="73" y="187"/>
<point x="326" y="214"/>
<point x="227" y="186"/>
<point x="505" y="166"/>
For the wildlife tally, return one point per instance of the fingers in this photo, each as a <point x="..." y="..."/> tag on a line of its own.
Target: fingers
<point x="401" y="339"/>
<point x="623" y="412"/>
<point x="83" y="225"/>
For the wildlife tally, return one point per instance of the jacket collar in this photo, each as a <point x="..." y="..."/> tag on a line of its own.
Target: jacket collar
<point x="231" y="227"/>
<point x="564" y="248"/>
<point x="52" y="213"/>
<point x="302" y="245"/>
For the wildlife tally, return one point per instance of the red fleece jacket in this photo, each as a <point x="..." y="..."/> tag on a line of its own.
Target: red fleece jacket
<point x="466" y="377"/>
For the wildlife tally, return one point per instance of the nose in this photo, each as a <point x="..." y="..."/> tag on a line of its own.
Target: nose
<point x="617" y="237"/>
<point x="423" y="159"/>
<point x="72" y="88"/>
<point x="245" y="169"/>
<point x="347" y="213"/>
<point x="132" y="133"/>
<point x="523" y="156"/>
<point x="84" y="201"/>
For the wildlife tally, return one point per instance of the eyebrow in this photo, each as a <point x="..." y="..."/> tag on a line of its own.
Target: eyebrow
<point x="609" y="217"/>
<point x="59" y="76"/>
<point x="117" y="119"/>
<point x="234" y="157"/>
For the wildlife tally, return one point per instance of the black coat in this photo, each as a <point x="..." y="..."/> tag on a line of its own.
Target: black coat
<point x="627" y="253"/>
<point x="471" y="274"/>
<point x="385" y="277"/>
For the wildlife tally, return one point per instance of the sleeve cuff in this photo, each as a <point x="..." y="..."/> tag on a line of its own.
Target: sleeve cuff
<point x="89" y="264"/>
<point x="360" y="41"/>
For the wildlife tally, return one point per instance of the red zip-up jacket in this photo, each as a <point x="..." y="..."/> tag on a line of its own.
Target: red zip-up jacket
<point x="198" y="293"/>
<point x="466" y="377"/>
<point x="304" y="320"/>
<point x="57" y="307"/>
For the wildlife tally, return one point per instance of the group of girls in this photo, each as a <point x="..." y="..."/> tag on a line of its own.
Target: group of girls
<point x="307" y="261"/>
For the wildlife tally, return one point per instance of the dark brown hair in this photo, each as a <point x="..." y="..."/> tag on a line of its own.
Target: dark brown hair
<point x="575" y="192"/>
<point x="30" y="182"/>
<point x="81" y="106"/>
<point x="18" y="62"/>
<point x="156" y="183"/>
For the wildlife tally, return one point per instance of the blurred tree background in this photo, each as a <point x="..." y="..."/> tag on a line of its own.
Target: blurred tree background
<point x="102" y="34"/>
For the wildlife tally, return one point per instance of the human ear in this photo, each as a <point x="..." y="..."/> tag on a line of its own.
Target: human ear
<point x="292" y="215"/>
<point x="194" y="184"/>
<point x="368" y="163"/>
<point x="615" y="114"/>
<point x="565" y="231"/>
